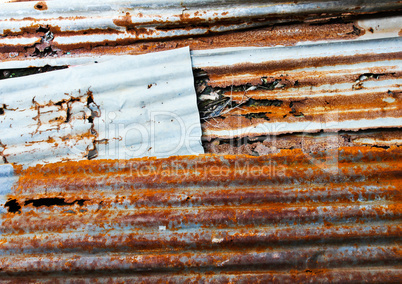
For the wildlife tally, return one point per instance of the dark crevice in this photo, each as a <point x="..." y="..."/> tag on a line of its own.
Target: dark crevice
<point x="95" y="112"/>
<point x="47" y="51"/>
<point x="53" y="201"/>
<point x="43" y="29"/>
<point x="93" y="153"/>
<point x="12" y="73"/>
<point x="13" y="206"/>
<point x="380" y="146"/>
<point x="356" y="31"/>
<point x="68" y="115"/>
<point x="253" y="102"/>
<point x="376" y="76"/>
<point x="183" y="26"/>
<point x="257" y="115"/>
<point x="2" y="109"/>
<point x="214" y="102"/>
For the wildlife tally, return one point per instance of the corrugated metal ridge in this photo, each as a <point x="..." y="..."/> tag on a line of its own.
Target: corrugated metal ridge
<point x="332" y="215"/>
<point x="46" y="50"/>
<point x="155" y="19"/>
<point x="307" y="142"/>
<point x="330" y="87"/>
<point x="132" y="106"/>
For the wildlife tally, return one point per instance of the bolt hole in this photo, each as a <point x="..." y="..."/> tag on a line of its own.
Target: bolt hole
<point x="40" y="6"/>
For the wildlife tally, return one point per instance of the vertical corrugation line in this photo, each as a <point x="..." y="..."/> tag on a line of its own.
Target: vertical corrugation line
<point x="208" y="218"/>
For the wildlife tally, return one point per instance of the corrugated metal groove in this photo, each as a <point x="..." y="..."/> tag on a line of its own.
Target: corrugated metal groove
<point x="301" y="218"/>
<point x="310" y="91"/>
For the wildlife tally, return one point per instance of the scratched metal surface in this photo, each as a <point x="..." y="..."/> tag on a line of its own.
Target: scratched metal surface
<point x="133" y="106"/>
<point x="281" y="218"/>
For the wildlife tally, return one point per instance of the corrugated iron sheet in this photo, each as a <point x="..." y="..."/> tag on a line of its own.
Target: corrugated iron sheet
<point x="306" y="142"/>
<point x="69" y="35"/>
<point x="113" y="21"/>
<point x="329" y="87"/>
<point x="274" y="218"/>
<point x="133" y="106"/>
<point x="309" y="207"/>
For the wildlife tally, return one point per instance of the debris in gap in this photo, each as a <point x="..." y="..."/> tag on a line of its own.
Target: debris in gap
<point x="211" y="96"/>
<point x="12" y="73"/>
<point x="257" y="115"/>
<point x="214" y="102"/>
<point x="253" y="102"/>
<point x="268" y="84"/>
<point x="364" y="77"/>
<point x="44" y="48"/>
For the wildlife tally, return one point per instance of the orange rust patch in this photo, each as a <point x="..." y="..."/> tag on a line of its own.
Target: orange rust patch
<point x="40" y="6"/>
<point x="286" y="35"/>
<point x="308" y="143"/>
<point x="123" y="21"/>
<point x="126" y="21"/>
<point x="218" y="74"/>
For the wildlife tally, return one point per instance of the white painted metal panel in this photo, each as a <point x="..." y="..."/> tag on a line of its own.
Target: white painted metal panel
<point x="134" y="106"/>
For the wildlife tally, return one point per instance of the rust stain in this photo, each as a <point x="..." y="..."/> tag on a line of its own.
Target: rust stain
<point x="286" y="35"/>
<point x="220" y="76"/>
<point x="77" y="172"/>
<point x="223" y="213"/>
<point x="309" y="143"/>
<point x="126" y="21"/>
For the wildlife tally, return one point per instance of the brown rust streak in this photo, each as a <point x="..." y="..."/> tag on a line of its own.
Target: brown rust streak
<point x="294" y="79"/>
<point x="141" y="173"/>
<point x="269" y="36"/>
<point x="235" y="240"/>
<point x="379" y="274"/>
<point x="225" y="76"/>
<point x="316" y="105"/>
<point x="133" y="28"/>
<point x="235" y="122"/>
<point x="246" y="217"/>
<point x="275" y="195"/>
<point x="265" y="145"/>
<point x="315" y="257"/>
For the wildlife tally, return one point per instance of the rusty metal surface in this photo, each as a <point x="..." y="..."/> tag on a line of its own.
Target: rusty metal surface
<point x="302" y="89"/>
<point x="310" y="91"/>
<point x="85" y="33"/>
<point x="307" y="142"/>
<point x="207" y="218"/>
